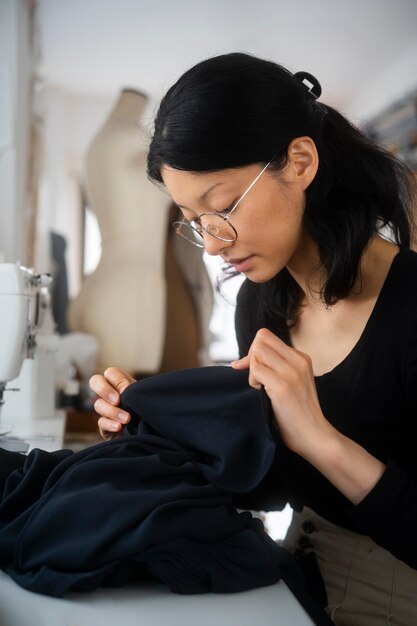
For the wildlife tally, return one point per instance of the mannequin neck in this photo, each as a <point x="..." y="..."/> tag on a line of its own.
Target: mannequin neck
<point x="129" y="106"/>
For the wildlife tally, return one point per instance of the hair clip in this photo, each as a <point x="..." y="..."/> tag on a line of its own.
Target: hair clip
<point x="310" y="83"/>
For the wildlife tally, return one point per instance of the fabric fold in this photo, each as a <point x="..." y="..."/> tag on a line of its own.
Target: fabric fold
<point x="157" y="501"/>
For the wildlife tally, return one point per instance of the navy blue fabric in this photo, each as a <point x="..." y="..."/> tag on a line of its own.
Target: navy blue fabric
<point x="157" y="501"/>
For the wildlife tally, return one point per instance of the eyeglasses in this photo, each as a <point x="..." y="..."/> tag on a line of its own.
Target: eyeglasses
<point x="218" y="225"/>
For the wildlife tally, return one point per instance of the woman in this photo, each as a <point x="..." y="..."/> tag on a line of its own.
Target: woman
<point x="288" y="193"/>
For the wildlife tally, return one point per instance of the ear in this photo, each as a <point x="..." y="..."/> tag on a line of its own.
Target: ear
<point x="303" y="161"/>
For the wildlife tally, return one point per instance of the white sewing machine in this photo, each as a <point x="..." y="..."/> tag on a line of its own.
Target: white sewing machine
<point x="27" y="388"/>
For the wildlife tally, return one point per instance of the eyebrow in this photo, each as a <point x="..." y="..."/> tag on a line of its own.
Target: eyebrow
<point x="203" y="196"/>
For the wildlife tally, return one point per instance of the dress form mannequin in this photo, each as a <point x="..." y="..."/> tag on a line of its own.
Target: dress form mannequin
<point x="182" y="335"/>
<point x="124" y="302"/>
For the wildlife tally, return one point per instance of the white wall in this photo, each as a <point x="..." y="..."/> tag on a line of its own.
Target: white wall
<point x="390" y="84"/>
<point x="15" y="74"/>
<point x="71" y="121"/>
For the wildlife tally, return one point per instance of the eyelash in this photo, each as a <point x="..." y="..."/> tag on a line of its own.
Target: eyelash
<point x="230" y="207"/>
<point x="224" y="212"/>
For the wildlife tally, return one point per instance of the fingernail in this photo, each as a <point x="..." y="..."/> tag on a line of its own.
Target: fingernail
<point x="123" y="417"/>
<point x="113" y="397"/>
<point x="115" y="426"/>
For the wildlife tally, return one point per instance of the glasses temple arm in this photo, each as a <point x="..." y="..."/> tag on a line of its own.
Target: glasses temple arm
<point x="247" y="191"/>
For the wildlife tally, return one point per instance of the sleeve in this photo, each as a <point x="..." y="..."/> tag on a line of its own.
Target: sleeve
<point x="245" y="317"/>
<point x="388" y="514"/>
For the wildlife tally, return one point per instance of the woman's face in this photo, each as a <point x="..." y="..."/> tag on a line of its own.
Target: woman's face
<point x="268" y="220"/>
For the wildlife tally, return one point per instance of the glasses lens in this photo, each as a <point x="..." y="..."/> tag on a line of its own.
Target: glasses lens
<point x="218" y="227"/>
<point x="212" y="224"/>
<point x="189" y="233"/>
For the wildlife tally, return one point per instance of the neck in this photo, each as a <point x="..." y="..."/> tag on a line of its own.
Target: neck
<point x="306" y="269"/>
<point x="129" y="106"/>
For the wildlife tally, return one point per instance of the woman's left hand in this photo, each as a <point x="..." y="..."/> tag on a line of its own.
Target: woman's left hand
<point x="288" y="378"/>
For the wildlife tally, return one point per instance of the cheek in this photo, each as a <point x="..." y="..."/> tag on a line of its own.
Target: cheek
<point x="274" y="220"/>
<point x="280" y="227"/>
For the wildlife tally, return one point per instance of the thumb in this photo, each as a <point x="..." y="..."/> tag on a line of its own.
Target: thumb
<point x="241" y="364"/>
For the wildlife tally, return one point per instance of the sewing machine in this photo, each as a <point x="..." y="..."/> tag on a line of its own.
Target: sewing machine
<point x="23" y="314"/>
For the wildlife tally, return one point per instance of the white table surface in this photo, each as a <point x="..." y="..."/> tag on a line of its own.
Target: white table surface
<point x="148" y="604"/>
<point x="46" y="433"/>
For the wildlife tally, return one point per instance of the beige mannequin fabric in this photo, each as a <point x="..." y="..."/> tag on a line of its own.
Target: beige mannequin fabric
<point x="137" y="303"/>
<point x="123" y="301"/>
<point x="182" y="336"/>
<point x="194" y="271"/>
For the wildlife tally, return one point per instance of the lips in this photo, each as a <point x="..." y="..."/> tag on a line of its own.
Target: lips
<point x="242" y="264"/>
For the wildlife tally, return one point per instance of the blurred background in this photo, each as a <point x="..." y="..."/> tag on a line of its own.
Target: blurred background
<point x="80" y="82"/>
<point x="64" y="64"/>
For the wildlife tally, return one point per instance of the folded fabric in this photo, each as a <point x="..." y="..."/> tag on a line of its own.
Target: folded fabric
<point x="157" y="501"/>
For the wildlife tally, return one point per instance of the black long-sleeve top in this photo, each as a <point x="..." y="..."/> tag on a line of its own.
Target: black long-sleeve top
<point x="370" y="397"/>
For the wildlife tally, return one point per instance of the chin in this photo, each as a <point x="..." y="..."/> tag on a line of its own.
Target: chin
<point x="260" y="277"/>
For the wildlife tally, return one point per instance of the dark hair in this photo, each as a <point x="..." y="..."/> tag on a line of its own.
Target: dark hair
<point x="234" y="110"/>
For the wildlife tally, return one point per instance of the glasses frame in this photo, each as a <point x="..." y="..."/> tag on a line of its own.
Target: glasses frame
<point x="225" y="215"/>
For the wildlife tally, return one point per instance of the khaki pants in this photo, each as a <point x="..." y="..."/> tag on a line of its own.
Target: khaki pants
<point x="365" y="584"/>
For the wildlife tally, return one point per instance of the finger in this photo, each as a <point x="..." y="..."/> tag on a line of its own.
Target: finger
<point x="111" y="384"/>
<point x="266" y="338"/>
<point x="263" y="336"/>
<point x="268" y="355"/>
<point x="264" y="354"/>
<point x="261" y="352"/>
<point x="108" y="429"/>
<point x="119" y="379"/>
<point x="241" y="364"/>
<point x="293" y="372"/>
<point x="253" y="380"/>
<point x="104" y="409"/>
<point x="103" y="389"/>
<point x="261" y="375"/>
<point x="292" y="364"/>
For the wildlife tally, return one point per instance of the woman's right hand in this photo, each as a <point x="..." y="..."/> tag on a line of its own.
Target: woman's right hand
<point x="108" y="387"/>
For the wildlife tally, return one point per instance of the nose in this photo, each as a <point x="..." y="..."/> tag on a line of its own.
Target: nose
<point x="213" y="246"/>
